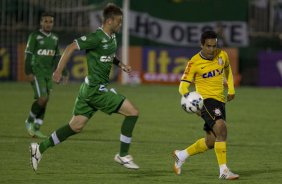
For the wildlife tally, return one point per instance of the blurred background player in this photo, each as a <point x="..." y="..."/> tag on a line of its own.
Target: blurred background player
<point x="41" y="57"/>
<point x="207" y="70"/>
<point x="94" y="94"/>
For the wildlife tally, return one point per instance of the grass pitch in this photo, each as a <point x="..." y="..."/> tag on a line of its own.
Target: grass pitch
<point x="254" y="139"/>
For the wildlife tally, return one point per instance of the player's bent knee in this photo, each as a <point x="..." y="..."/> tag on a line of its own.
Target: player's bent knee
<point x="134" y="112"/>
<point x="77" y="124"/>
<point x="42" y="101"/>
<point x="76" y="128"/>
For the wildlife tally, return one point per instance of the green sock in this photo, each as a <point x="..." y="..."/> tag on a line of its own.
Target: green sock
<point x="126" y="134"/>
<point x="41" y="114"/>
<point x="36" y="126"/>
<point x="56" y="137"/>
<point x="35" y="109"/>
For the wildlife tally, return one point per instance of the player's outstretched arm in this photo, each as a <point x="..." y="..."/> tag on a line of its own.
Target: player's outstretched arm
<point x="125" y="68"/>
<point x="63" y="61"/>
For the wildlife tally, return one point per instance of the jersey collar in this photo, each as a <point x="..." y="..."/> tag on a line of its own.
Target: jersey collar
<point x="202" y="56"/>
<point x="217" y="53"/>
<point x="46" y="34"/>
<point x="105" y="32"/>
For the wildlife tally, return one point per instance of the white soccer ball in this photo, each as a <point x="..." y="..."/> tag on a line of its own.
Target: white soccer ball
<point x="192" y="102"/>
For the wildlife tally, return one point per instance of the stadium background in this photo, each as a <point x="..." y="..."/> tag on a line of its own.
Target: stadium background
<point x="161" y="39"/>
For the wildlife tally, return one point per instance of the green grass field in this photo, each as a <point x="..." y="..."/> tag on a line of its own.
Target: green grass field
<point x="254" y="147"/>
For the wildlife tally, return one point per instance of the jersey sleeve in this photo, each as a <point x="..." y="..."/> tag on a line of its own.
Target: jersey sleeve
<point x="31" y="44"/>
<point x="189" y="72"/>
<point x="29" y="51"/>
<point x="229" y="76"/>
<point x="187" y="78"/>
<point x="89" y="41"/>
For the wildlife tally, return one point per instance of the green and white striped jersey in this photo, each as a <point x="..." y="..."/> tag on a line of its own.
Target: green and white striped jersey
<point x="100" y="52"/>
<point x="45" y="52"/>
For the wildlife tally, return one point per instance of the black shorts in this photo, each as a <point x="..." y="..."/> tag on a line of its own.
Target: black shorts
<point x="212" y="111"/>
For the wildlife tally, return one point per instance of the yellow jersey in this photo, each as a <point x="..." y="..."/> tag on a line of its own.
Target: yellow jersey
<point x="208" y="76"/>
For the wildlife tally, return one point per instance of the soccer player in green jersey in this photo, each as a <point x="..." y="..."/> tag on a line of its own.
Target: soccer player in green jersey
<point x="41" y="57"/>
<point x="94" y="94"/>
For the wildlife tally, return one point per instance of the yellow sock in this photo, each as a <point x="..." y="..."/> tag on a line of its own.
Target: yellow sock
<point x="220" y="151"/>
<point x="198" y="147"/>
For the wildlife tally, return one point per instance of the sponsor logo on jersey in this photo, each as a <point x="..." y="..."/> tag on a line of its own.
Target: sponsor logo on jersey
<point x="46" y="52"/>
<point x="213" y="73"/>
<point x="106" y="59"/>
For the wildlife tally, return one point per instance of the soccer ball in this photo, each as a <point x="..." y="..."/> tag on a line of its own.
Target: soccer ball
<point x="192" y="102"/>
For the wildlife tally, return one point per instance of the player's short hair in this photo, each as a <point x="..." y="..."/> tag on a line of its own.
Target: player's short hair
<point x="47" y="14"/>
<point x="111" y="10"/>
<point x="208" y="35"/>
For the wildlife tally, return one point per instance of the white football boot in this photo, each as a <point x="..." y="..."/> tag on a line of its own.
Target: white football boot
<point x="177" y="163"/>
<point x="35" y="155"/>
<point x="228" y="175"/>
<point x="126" y="161"/>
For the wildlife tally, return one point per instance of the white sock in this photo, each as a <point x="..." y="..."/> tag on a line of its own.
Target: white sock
<point x="38" y="121"/>
<point x="222" y="168"/>
<point x="183" y="155"/>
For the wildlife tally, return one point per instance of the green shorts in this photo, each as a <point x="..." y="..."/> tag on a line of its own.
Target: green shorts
<point x="93" y="98"/>
<point x="42" y="86"/>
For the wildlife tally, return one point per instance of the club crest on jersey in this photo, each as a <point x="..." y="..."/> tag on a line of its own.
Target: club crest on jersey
<point x="220" y="61"/>
<point x="54" y="37"/>
<point x="83" y="38"/>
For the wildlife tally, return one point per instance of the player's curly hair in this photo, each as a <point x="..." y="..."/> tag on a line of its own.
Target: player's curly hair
<point x="208" y="35"/>
<point x="111" y="10"/>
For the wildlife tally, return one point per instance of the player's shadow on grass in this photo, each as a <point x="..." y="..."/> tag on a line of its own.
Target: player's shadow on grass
<point x="140" y="173"/>
<point x="258" y="172"/>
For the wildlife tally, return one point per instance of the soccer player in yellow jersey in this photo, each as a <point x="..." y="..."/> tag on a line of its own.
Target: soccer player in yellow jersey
<point x="208" y="69"/>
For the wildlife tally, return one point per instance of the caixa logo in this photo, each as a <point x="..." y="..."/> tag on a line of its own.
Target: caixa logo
<point x="46" y="52"/>
<point x="106" y="59"/>
<point x="213" y="73"/>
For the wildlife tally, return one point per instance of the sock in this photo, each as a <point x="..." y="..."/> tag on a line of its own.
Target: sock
<point x="31" y="117"/>
<point x="56" y="137"/>
<point x="126" y="134"/>
<point x="220" y="151"/>
<point x="182" y="155"/>
<point x="198" y="147"/>
<point x="222" y="168"/>
<point x="35" y="110"/>
<point x="37" y="123"/>
<point x="41" y="114"/>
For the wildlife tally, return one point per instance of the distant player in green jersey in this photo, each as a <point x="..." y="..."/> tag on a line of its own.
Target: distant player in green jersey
<point x="41" y="58"/>
<point x="94" y="93"/>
